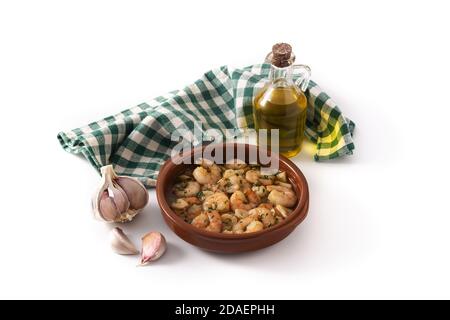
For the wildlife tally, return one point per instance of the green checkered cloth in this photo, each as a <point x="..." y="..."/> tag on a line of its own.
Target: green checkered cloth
<point x="138" y="140"/>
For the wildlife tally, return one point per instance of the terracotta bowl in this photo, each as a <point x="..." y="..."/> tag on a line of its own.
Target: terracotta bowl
<point x="230" y="243"/>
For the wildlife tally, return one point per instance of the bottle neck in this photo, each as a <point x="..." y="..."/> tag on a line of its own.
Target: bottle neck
<point x="280" y="74"/>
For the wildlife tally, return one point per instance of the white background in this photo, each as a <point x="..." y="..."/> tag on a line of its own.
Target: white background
<point x="379" y="223"/>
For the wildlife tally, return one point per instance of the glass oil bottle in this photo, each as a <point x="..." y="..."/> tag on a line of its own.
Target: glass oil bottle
<point x="281" y="104"/>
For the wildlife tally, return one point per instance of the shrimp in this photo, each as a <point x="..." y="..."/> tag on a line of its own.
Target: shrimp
<point x="252" y="176"/>
<point x="252" y="197"/>
<point x="186" y="189"/>
<point x="193" y="211"/>
<point x="207" y="173"/>
<point x="265" y="215"/>
<point x="231" y="172"/>
<point x="217" y="201"/>
<point x="183" y="203"/>
<point x="231" y="184"/>
<point x="241" y="226"/>
<point x="240" y="213"/>
<point x="192" y="200"/>
<point x="228" y="221"/>
<point x="267" y="205"/>
<point x="238" y="182"/>
<point x="261" y="191"/>
<point x="266" y="180"/>
<point x="245" y="201"/>
<point x="232" y="181"/>
<point x="236" y="164"/>
<point x="179" y="204"/>
<point x="282" y="196"/>
<point x="254" y="226"/>
<point x="201" y="221"/>
<point x="255" y="177"/>
<point x="210" y="187"/>
<point x="210" y="221"/>
<point x="215" y="221"/>
<point x="245" y="185"/>
<point x="202" y="195"/>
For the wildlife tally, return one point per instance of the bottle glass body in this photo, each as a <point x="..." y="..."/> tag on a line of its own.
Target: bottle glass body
<point x="281" y="105"/>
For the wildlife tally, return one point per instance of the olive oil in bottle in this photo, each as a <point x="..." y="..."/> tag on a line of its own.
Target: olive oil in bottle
<point x="281" y="104"/>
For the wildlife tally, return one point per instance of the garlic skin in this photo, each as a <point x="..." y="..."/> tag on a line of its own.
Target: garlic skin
<point x="120" y="243"/>
<point x="153" y="247"/>
<point x="118" y="198"/>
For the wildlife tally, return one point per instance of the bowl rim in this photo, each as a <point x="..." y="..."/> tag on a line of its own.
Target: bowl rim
<point x="294" y="219"/>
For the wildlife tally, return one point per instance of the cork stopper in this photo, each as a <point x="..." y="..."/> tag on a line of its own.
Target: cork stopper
<point x="281" y="55"/>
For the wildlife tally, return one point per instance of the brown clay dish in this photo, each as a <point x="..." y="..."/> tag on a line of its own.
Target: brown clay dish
<point x="230" y="243"/>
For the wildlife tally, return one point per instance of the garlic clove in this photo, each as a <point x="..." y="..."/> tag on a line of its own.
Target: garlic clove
<point x="136" y="192"/>
<point x="119" y="197"/>
<point x="153" y="247"/>
<point x="107" y="209"/>
<point x="121" y="244"/>
<point x="113" y="203"/>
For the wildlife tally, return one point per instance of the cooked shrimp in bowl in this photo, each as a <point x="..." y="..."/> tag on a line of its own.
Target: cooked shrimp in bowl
<point x="234" y="198"/>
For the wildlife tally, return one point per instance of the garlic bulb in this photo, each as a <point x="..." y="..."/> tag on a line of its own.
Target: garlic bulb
<point x="119" y="198"/>
<point x="121" y="244"/>
<point x="153" y="247"/>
